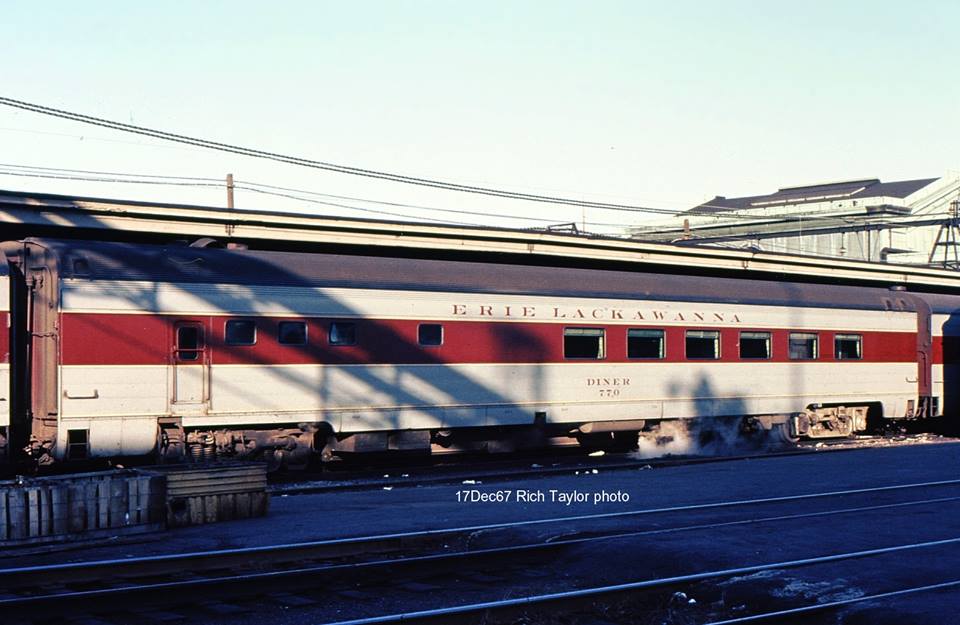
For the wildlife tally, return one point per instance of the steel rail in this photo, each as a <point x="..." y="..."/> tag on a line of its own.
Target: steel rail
<point x="769" y="519"/>
<point x="263" y="580"/>
<point x="383" y="543"/>
<point x="458" y="613"/>
<point x="388" y="569"/>
<point x="832" y="605"/>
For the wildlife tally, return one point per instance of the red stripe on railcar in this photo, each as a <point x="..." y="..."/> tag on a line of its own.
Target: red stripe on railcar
<point x="104" y="339"/>
<point x="89" y="338"/>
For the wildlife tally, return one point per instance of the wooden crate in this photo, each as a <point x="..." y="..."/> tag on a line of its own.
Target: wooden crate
<point x="86" y="505"/>
<point x="198" y="494"/>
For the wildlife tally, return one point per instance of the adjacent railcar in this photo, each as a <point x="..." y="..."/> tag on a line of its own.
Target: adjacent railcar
<point x="945" y="337"/>
<point x="124" y="350"/>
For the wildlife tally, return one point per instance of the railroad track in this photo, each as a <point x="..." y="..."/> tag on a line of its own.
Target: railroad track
<point x="318" y="571"/>
<point x="492" y="611"/>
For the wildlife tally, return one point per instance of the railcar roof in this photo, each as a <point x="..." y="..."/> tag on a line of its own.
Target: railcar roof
<point x="126" y="261"/>
<point x="943" y="304"/>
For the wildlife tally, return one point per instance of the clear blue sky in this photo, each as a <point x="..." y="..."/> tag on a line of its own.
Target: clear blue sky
<point x="652" y="103"/>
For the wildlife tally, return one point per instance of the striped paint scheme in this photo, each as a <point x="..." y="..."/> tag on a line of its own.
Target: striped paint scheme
<point x="106" y="339"/>
<point x="478" y="328"/>
<point x="200" y="299"/>
<point x="501" y="361"/>
<point x="365" y="397"/>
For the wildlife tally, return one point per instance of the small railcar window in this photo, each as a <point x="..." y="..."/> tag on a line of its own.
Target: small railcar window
<point x="755" y="345"/>
<point x="848" y="347"/>
<point x="342" y="333"/>
<point x="189" y="343"/>
<point x="584" y="343"/>
<point x="803" y="346"/>
<point x="430" y="334"/>
<point x="81" y="267"/>
<point x="78" y="444"/>
<point x="240" y="332"/>
<point x="292" y="333"/>
<point x="644" y="343"/>
<point x="703" y="344"/>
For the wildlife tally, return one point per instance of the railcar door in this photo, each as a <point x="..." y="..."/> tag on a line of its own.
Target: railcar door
<point x="925" y="407"/>
<point x="190" y="394"/>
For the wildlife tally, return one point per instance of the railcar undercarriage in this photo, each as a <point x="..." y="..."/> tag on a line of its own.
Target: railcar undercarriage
<point x="295" y="445"/>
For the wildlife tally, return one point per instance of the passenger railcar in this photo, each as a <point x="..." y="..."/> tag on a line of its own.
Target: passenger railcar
<point x="124" y="350"/>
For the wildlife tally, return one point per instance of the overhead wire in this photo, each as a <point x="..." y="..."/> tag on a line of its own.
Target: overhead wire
<point x="445" y="210"/>
<point x="105" y="173"/>
<point x="347" y="207"/>
<point x="125" y="178"/>
<point x="217" y="182"/>
<point x="252" y="186"/>
<point x="323" y="165"/>
<point x="427" y="182"/>
<point x="420" y="207"/>
<point x="60" y="173"/>
<point x="111" y="180"/>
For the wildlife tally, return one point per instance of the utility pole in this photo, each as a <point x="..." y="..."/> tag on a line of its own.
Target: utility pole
<point x="230" y="191"/>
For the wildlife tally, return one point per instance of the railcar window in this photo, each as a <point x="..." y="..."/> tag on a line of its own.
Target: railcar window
<point x="240" y="332"/>
<point x="848" y="347"/>
<point x="292" y="333"/>
<point x="81" y="267"/>
<point x="77" y="444"/>
<point x="189" y="343"/>
<point x="342" y="333"/>
<point x="803" y="346"/>
<point x="584" y="343"/>
<point x="703" y="344"/>
<point x="430" y="334"/>
<point x="644" y="343"/>
<point x="755" y="345"/>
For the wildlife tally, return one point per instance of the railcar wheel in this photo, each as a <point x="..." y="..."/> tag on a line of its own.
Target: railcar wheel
<point x="780" y="434"/>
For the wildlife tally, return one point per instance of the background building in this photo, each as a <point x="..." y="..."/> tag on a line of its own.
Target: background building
<point x="906" y="221"/>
